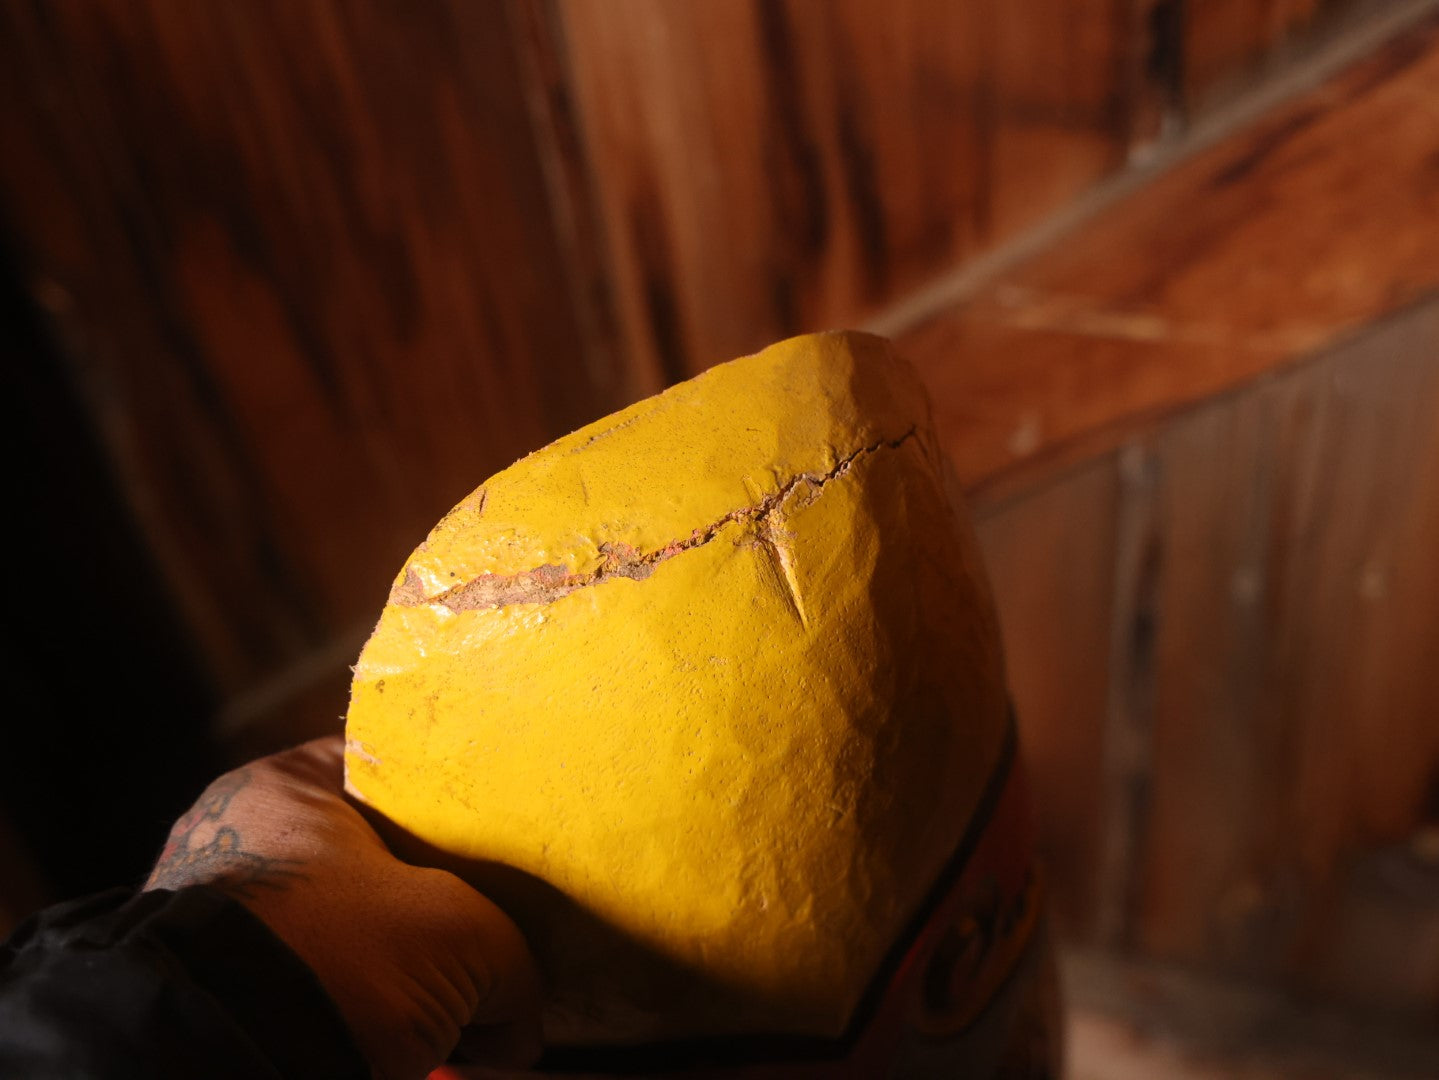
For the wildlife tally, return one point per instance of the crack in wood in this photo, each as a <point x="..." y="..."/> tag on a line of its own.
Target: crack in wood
<point x="547" y="583"/>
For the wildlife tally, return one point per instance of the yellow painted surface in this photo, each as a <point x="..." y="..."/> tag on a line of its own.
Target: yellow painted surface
<point x="703" y="694"/>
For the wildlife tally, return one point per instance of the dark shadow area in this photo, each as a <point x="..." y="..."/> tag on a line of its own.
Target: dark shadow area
<point x="104" y="701"/>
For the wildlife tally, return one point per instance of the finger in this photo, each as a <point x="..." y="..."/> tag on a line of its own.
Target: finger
<point x="506" y="1020"/>
<point x="320" y="761"/>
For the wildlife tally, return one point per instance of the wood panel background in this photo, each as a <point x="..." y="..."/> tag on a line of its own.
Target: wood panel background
<point x="315" y="269"/>
<point x="1296" y="742"/>
<point x="1229" y="695"/>
<point x="1232" y="719"/>
<point x="1051" y="557"/>
<point x="1255" y="251"/>
<point x="321" y="267"/>
<point x="304" y="258"/>
<point x="763" y="167"/>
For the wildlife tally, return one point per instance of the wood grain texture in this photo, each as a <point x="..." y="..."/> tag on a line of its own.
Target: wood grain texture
<point x="1275" y="242"/>
<point x="1220" y="639"/>
<point x="1218" y="743"/>
<point x="1225" y="42"/>
<point x="1265" y="795"/>
<point x="1051" y="558"/>
<point x="321" y="267"/>
<point x="315" y="288"/>
<point x="304" y="258"/>
<point x="769" y="168"/>
<point x="1297" y="740"/>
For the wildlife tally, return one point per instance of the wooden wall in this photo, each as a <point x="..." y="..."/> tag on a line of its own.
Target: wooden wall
<point x="770" y="166"/>
<point x="762" y="167"/>
<point x="315" y="269"/>
<point x="1221" y="640"/>
<point x="304" y="256"/>
<point x="321" y="267"/>
<point x="1203" y="431"/>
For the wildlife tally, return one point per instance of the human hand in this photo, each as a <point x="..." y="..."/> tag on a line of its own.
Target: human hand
<point x="415" y="959"/>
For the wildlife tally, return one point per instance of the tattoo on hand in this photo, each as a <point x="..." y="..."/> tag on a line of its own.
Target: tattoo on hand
<point x="220" y="861"/>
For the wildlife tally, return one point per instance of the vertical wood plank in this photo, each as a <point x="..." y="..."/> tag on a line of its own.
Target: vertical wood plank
<point x="1128" y="732"/>
<point x="1050" y="555"/>
<point x="1215" y="750"/>
<point x="1226" y="41"/>
<point x="1263" y="249"/>
<point x="1220" y="641"/>
<point x="1297" y="747"/>
<point x="304" y="258"/>
<point x="775" y="167"/>
<point x="1365" y="803"/>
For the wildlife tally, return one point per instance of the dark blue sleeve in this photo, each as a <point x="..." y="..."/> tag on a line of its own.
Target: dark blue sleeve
<point x="164" y="984"/>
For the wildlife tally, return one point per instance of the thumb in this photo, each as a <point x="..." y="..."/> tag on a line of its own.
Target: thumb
<point x="505" y="1029"/>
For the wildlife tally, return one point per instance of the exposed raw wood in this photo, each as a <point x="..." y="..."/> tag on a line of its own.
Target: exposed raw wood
<point x="1128" y="733"/>
<point x="320" y="268"/>
<point x="304" y="258"/>
<point x="1298" y="751"/>
<point x="771" y="168"/>
<point x="1051" y="558"/>
<point x="768" y="168"/>
<point x="1220" y="760"/>
<point x="323" y="267"/>
<point x="1224" y="42"/>
<point x="1220" y="640"/>
<point x="1295" y="232"/>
